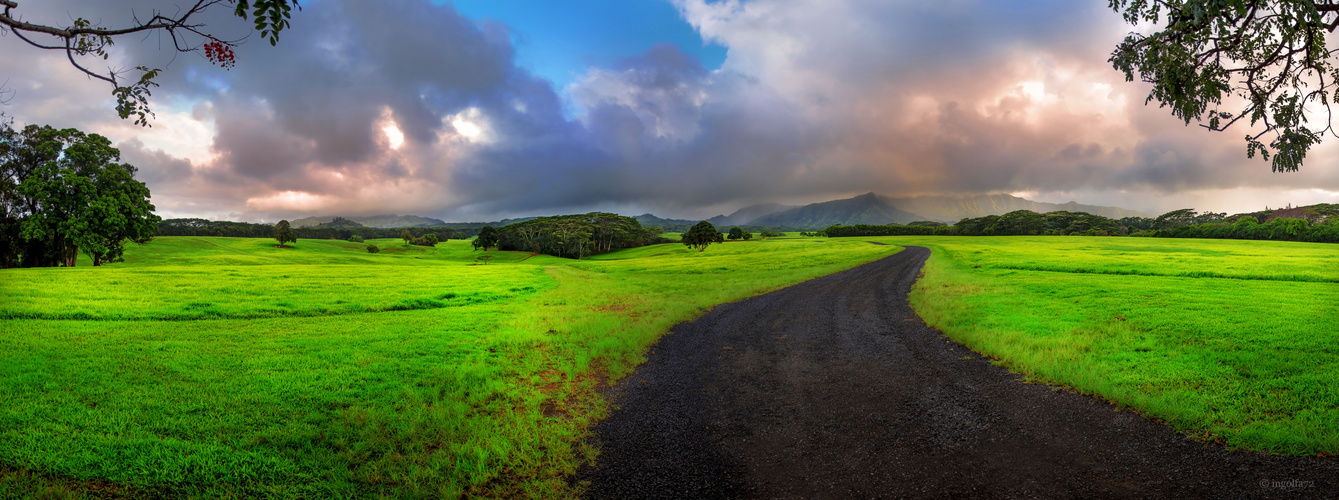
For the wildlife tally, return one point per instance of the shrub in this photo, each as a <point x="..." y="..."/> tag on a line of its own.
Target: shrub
<point x="372" y="248"/>
<point x="427" y="240"/>
<point x="355" y="239"/>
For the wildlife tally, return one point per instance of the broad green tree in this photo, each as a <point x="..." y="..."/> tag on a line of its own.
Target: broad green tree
<point x="701" y="235"/>
<point x="1220" y="62"/>
<point x="488" y="238"/>
<point x="283" y="232"/>
<point x="79" y="197"/>
<point x="735" y="233"/>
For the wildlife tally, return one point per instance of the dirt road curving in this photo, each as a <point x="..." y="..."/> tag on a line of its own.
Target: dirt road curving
<point x="834" y="388"/>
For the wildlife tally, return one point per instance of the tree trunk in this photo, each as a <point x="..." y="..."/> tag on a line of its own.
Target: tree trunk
<point x="70" y="254"/>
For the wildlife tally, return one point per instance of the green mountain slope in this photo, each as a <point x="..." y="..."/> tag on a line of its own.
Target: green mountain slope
<point x="867" y="208"/>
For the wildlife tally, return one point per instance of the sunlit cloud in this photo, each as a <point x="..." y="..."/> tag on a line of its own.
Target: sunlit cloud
<point x="470" y="125"/>
<point x="393" y="135"/>
<point x="296" y="201"/>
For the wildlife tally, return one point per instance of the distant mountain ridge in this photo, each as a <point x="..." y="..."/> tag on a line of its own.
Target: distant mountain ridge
<point x="381" y="221"/>
<point x="672" y="225"/>
<point x="952" y="209"/>
<point x="749" y="214"/>
<point x="868" y="208"/>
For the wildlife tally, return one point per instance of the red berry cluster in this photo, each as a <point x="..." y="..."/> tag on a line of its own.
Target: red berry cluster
<point x="220" y="53"/>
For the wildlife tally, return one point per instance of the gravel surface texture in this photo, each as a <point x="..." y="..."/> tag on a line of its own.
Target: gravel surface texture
<point x="834" y="388"/>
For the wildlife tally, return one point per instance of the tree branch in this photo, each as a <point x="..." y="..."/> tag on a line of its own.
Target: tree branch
<point x="84" y="38"/>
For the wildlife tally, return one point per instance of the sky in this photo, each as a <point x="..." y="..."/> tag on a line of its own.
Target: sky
<point x="477" y="110"/>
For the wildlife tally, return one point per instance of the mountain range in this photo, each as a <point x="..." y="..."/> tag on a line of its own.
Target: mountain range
<point x="952" y="209"/>
<point x="868" y="208"/>
<point x="375" y="221"/>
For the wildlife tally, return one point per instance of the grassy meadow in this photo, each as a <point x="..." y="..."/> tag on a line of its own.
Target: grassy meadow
<point x="226" y="367"/>
<point x="1225" y="340"/>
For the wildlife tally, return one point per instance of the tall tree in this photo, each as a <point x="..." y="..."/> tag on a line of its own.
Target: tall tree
<point x="284" y="233"/>
<point x="77" y="196"/>
<point x="85" y="40"/>
<point x="1218" y="62"/>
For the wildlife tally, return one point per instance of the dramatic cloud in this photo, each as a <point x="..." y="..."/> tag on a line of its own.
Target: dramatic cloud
<point x="408" y="106"/>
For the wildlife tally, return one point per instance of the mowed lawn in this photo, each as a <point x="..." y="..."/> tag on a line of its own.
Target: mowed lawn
<point x="226" y="367"/>
<point x="1228" y="341"/>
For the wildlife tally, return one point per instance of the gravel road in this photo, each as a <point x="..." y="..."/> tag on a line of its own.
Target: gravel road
<point x="834" y="388"/>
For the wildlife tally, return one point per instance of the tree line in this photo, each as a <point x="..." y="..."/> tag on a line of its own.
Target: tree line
<point x="1310" y="224"/>
<point x="576" y="236"/>
<point x="63" y="192"/>
<point x="1249" y="228"/>
<point x="338" y="230"/>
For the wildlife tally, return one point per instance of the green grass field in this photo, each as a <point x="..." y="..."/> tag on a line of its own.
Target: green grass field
<point x="1228" y="341"/>
<point x="217" y="367"/>
<point x="222" y="367"/>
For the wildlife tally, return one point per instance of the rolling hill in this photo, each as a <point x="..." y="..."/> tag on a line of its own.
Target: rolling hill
<point x="748" y="214"/>
<point x="671" y="225"/>
<point x="867" y="208"/>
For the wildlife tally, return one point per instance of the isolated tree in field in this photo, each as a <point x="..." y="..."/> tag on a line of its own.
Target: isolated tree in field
<point x="407" y="236"/>
<point x="736" y="233"/>
<point x="1218" y="62"/>
<point x="372" y="248"/>
<point x="484" y="258"/>
<point x="747" y="235"/>
<point x="701" y="235"/>
<point x="284" y="233"/>
<point x="85" y="41"/>
<point x="63" y="191"/>
<point x="488" y="238"/>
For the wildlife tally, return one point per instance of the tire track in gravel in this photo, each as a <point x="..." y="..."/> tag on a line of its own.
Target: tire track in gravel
<point x="834" y="388"/>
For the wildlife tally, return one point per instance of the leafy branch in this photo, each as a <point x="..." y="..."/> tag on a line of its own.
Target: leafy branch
<point x="83" y="39"/>
<point x="1269" y="54"/>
